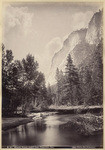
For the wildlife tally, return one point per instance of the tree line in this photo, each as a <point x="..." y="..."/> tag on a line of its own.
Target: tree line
<point x="82" y="86"/>
<point x="22" y="84"/>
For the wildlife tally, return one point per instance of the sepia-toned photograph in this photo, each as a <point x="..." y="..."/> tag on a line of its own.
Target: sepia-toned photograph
<point x="52" y="75"/>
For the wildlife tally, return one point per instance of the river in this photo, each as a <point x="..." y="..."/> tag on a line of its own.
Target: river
<point x="45" y="132"/>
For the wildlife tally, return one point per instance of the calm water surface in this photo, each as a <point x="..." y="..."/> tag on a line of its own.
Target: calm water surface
<point x="46" y="132"/>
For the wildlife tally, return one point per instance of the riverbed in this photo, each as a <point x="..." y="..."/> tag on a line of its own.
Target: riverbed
<point x="46" y="132"/>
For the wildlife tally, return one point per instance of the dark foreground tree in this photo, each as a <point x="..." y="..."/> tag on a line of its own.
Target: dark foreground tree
<point x="22" y="84"/>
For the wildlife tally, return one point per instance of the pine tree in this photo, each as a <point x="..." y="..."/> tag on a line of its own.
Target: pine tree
<point x="49" y="93"/>
<point x="72" y="83"/>
<point x="58" y="85"/>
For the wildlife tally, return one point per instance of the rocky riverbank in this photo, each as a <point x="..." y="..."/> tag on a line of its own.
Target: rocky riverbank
<point x="87" y="124"/>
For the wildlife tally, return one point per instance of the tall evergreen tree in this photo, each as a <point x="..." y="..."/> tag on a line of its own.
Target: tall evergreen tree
<point x="58" y="86"/>
<point x="72" y="83"/>
<point x="49" y="93"/>
<point x="7" y="84"/>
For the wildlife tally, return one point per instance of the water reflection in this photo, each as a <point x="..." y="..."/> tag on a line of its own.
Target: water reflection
<point x="47" y="132"/>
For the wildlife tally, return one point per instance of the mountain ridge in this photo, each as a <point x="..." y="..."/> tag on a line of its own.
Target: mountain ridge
<point x="80" y="44"/>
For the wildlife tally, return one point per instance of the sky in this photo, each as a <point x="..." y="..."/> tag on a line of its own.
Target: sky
<point x="41" y="28"/>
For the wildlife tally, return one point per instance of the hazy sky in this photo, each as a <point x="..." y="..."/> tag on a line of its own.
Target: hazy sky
<point x="41" y="28"/>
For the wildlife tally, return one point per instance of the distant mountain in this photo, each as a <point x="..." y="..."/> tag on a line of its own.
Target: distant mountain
<point x="80" y="44"/>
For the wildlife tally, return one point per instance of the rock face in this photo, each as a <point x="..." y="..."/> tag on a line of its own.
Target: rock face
<point x="69" y="44"/>
<point x="80" y="45"/>
<point x="94" y="32"/>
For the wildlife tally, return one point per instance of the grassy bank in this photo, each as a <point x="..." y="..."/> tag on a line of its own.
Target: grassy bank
<point x="87" y="124"/>
<point x="12" y="122"/>
<point x="8" y="123"/>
